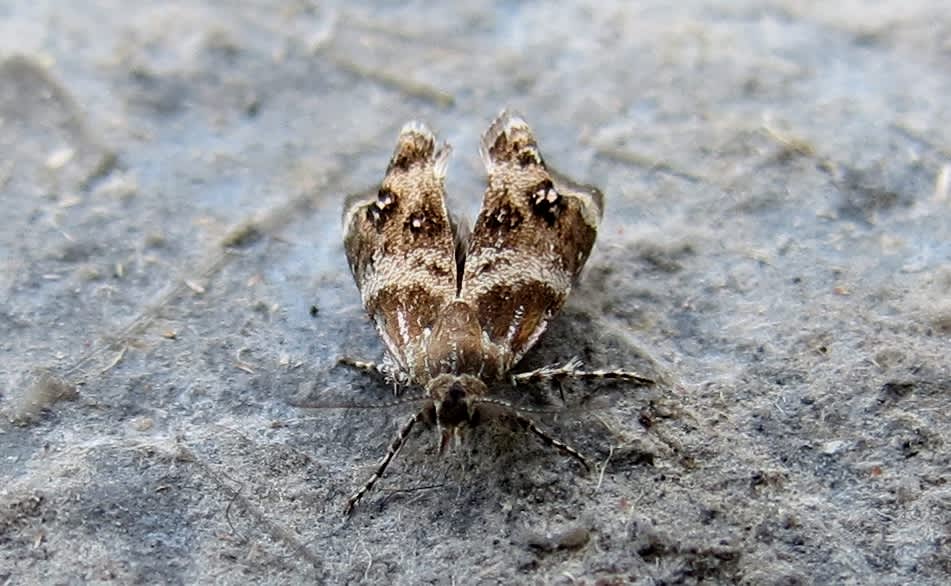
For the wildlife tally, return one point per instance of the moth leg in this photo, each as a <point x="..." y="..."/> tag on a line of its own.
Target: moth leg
<point x="548" y="440"/>
<point x="391" y="452"/>
<point x="384" y="371"/>
<point x="572" y="371"/>
<point x="372" y="368"/>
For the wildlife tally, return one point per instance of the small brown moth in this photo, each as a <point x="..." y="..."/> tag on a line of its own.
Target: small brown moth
<point x="457" y="310"/>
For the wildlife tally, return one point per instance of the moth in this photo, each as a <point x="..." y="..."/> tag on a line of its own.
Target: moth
<point x="456" y="309"/>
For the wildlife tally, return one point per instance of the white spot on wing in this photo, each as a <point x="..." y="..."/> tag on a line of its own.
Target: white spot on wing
<point x="393" y="349"/>
<point x="403" y="325"/>
<point x="533" y="339"/>
<point x="516" y="322"/>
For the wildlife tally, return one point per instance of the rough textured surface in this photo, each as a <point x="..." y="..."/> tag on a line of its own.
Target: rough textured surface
<point x="775" y="244"/>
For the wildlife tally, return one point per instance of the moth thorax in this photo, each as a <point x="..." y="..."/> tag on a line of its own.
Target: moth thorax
<point x="455" y="397"/>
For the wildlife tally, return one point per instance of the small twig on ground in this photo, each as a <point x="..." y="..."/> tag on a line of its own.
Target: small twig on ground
<point x="604" y="466"/>
<point x="407" y="86"/>
<point x="391" y="492"/>
<point x="643" y="161"/>
<point x="916" y="136"/>
<point x="118" y="358"/>
<point x="6" y="173"/>
<point x="942" y="184"/>
<point x="276" y="531"/>
<point x="267" y="222"/>
<point x="241" y="364"/>
<point x="366" y="573"/>
<point x="792" y="145"/>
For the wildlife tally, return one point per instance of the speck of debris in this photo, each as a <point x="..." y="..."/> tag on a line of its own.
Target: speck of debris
<point x="121" y="186"/>
<point x="25" y="403"/>
<point x="574" y="538"/>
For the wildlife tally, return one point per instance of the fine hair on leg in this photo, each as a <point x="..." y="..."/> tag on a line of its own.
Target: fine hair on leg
<point x="391" y="453"/>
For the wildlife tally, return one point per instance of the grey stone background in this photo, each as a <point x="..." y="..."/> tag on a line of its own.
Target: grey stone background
<point x="776" y="250"/>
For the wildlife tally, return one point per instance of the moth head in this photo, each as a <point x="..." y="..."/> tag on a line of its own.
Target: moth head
<point x="455" y="398"/>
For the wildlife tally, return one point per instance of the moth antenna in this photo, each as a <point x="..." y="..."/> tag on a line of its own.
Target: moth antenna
<point x="391" y="453"/>
<point x="498" y="403"/>
<point x="344" y="405"/>
<point x="550" y="440"/>
<point x="516" y="409"/>
<point x="516" y="413"/>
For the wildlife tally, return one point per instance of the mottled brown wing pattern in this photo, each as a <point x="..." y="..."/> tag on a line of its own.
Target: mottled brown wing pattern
<point x="530" y="242"/>
<point x="401" y="249"/>
<point x="457" y="312"/>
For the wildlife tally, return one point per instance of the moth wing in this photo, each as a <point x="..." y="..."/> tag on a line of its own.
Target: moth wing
<point x="530" y="241"/>
<point x="400" y="244"/>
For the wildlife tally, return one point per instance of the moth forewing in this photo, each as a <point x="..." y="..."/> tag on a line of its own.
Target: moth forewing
<point x="533" y="235"/>
<point x="401" y="249"/>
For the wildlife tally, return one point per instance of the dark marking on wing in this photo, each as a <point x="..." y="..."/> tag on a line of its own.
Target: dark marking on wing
<point x="503" y="218"/>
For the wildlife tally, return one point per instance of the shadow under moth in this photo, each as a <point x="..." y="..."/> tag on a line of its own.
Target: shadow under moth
<point x="457" y="309"/>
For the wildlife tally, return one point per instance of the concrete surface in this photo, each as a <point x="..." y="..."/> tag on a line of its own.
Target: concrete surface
<point x="776" y="248"/>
